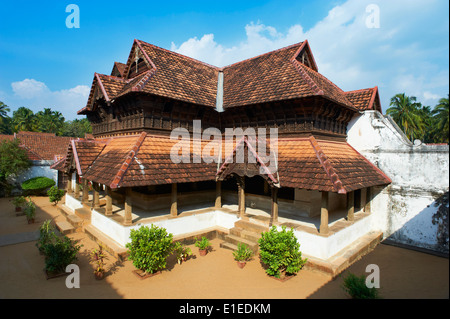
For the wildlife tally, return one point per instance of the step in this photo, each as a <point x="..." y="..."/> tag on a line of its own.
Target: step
<point x="235" y="240"/>
<point x="65" y="227"/>
<point x="246" y="234"/>
<point x="75" y="221"/>
<point x="249" y="226"/>
<point x="229" y="246"/>
<point x="84" y="213"/>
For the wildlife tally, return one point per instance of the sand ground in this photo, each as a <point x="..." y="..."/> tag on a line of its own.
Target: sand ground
<point x="404" y="273"/>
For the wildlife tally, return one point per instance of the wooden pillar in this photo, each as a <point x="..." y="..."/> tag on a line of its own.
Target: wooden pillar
<point x="266" y="187"/>
<point x="274" y="208"/>
<point x="85" y="197"/>
<point x="174" y="204"/>
<point x="69" y="183"/>
<point x="128" y="207"/>
<point x="108" y="210"/>
<point x="363" y="199"/>
<point x="77" y="187"/>
<point x="96" y="199"/>
<point x="324" y="214"/>
<point x="218" y="202"/>
<point x="351" y="206"/>
<point x="369" y="191"/>
<point x="241" y="196"/>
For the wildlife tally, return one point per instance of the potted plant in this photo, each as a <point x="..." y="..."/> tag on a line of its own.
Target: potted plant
<point x="30" y="211"/>
<point x="242" y="254"/>
<point x="182" y="252"/>
<point x="97" y="257"/>
<point x="202" y="245"/>
<point x="18" y="202"/>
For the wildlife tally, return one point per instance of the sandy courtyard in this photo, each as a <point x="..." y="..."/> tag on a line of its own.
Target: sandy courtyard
<point x="403" y="273"/>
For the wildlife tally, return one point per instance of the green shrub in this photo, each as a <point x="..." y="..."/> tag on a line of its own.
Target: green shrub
<point x="242" y="253"/>
<point x="37" y="185"/>
<point x="55" y="194"/>
<point x="59" y="253"/>
<point x="280" y="251"/>
<point x="19" y="201"/>
<point x="150" y="247"/>
<point x="46" y="235"/>
<point x="356" y="287"/>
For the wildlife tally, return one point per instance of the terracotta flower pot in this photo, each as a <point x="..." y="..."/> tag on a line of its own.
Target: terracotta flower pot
<point x="30" y="221"/>
<point x="202" y="252"/>
<point x="99" y="275"/>
<point x="241" y="264"/>
<point x="18" y="209"/>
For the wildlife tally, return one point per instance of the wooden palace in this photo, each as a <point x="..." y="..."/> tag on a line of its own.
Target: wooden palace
<point x="134" y="110"/>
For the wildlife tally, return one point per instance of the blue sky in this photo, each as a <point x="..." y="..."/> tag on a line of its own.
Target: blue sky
<point x="45" y="64"/>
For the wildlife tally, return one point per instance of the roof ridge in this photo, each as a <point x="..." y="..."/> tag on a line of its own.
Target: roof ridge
<point x="312" y="84"/>
<point x="128" y="160"/>
<point x="359" y="90"/>
<point x="323" y="159"/>
<point x="260" y="55"/>
<point x="178" y="54"/>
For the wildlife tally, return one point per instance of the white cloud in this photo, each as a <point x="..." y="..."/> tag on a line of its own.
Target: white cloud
<point x="36" y="96"/>
<point x="398" y="57"/>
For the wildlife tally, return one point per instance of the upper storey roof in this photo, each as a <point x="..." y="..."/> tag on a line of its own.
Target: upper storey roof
<point x="286" y="73"/>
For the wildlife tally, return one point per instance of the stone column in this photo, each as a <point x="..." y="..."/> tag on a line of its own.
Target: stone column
<point x="218" y="202"/>
<point x="241" y="196"/>
<point x="96" y="199"/>
<point x="351" y="206"/>
<point x="174" y="203"/>
<point x="85" y="197"/>
<point x="128" y="221"/>
<point x="369" y="192"/>
<point x="274" y="208"/>
<point x="324" y="214"/>
<point x="108" y="209"/>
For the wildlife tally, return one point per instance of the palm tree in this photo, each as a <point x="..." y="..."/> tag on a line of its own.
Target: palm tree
<point x="440" y="113"/>
<point x="23" y="119"/>
<point x="49" y="121"/>
<point x="4" y="118"/>
<point x="405" y="111"/>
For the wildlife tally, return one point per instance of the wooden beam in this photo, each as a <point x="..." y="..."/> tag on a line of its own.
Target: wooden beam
<point x="324" y="214"/>
<point x="96" y="201"/>
<point x="85" y="195"/>
<point x="367" y="207"/>
<point x="241" y="195"/>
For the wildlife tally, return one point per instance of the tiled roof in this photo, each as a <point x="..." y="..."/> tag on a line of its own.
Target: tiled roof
<point x="41" y="146"/>
<point x="273" y="76"/>
<point x="365" y="99"/>
<point x="325" y="166"/>
<point x="143" y="159"/>
<point x="307" y="163"/>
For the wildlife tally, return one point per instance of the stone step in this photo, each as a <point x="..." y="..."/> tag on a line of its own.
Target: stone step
<point x="227" y="245"/>
<point x="246" y="234"/>
<point x="75" y="221"/>
<point x="235" y="240"/>
<point x="65" y="227"/>
<point x="84" y="213"/>
<point x="249" y="226"/>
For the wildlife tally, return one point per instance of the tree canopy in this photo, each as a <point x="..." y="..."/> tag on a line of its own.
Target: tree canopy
<point x="47" y="121"/>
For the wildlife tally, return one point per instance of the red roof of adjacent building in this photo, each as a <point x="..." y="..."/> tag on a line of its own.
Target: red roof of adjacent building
<point x="41" y="146"/>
